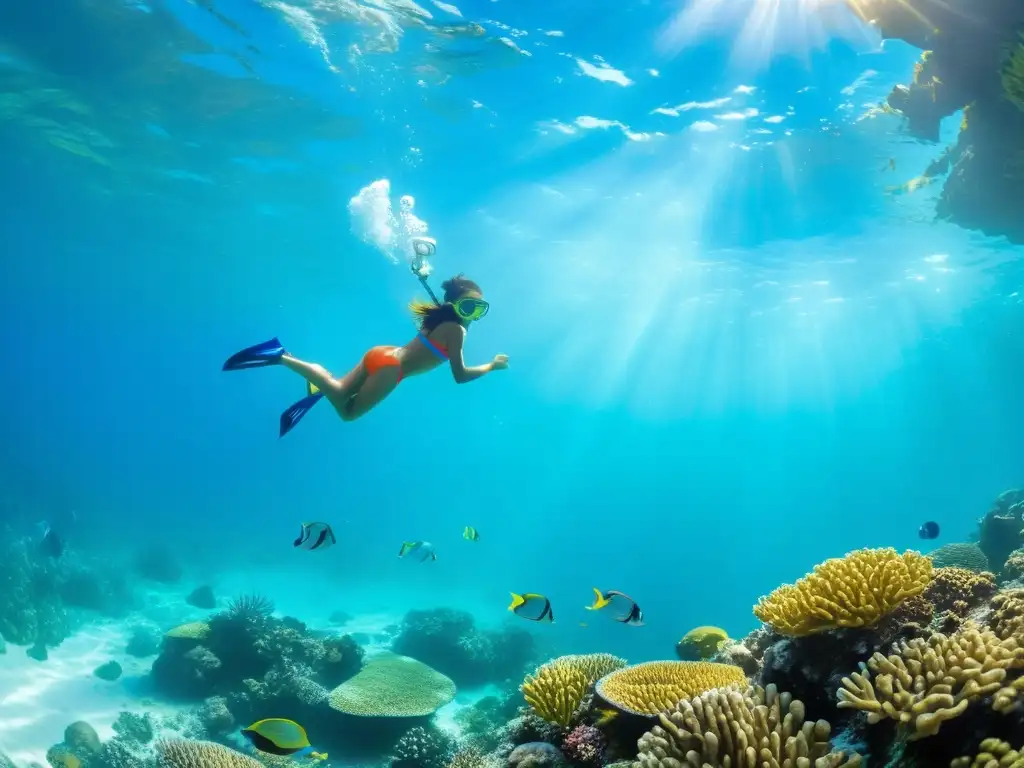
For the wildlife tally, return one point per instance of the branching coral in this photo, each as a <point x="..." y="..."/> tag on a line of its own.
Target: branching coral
<point x="759" y="728"/>
<point x="959" y="590"/>
<point x="992" y="753"/>
<point x="857" y="590"/>
<point x="656" y="686"/>
<point x="584" y="745"/>
<point x="1008" y="614"/>
<point x="556" y="689"/>
<point x="393" y="686"/>
<point x="467" y="757"/>
<point x="934" y="680"/>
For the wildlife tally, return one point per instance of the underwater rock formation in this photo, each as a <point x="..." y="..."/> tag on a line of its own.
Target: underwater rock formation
<point x="973" y="58"/>
<point x="202" y="597"/>
<point x="449" y="641"/>
<point x="251" y="657"/>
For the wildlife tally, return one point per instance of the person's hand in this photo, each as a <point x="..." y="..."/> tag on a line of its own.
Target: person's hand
<point x="499" y="363"/>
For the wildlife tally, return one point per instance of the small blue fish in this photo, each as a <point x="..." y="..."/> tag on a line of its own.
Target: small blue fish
<point x="929" y="530"/>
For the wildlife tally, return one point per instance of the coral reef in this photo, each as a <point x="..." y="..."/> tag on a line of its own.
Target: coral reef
<point x="701" y="643"/>
<point x="537" y="754"/>
<point x="557" y="690"/>
<point x="857" y="590"/>
<point x="993" y="754"/>
<point x="449" y="641"/>
<point x="584" y="745"/>
<point x="179" y="753"/>
<point x="423" y="748"/>
<point x="999" y="531"/>
<point x="656" y="686"/>
<point x="467" y="757"/>
<point x="390" y="685"/>
<point x="960" y="555"/>
<point x="255" y="662"/>
<point x="726" y="727"/>
<point x="972" y="64"/>
<point x="931" y="681"/>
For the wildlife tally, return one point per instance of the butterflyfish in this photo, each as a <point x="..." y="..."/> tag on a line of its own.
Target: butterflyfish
<point x="315" y="536"/>
<point x="277" y="736"/>
<point x="623" y="607"/>
<point x="470" y="533"/>
<point x="418" y="551"/>
<point x="532" y="607"/>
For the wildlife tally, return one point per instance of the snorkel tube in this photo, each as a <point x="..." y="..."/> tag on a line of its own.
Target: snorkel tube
<point x="422" y="248"/>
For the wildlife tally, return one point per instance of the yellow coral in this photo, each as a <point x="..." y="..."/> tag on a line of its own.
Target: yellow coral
<point x="556" y="689"/>
<point x="852" y="591"/>
<point x="992" y="753"/>
<point x="196" y="630"/>
<point x="657" y="686"/>
<point x="934" y="680"/>
<point x="759" y="728"/>
<point x="701" y="643"/>
<point x="181" y="753"/>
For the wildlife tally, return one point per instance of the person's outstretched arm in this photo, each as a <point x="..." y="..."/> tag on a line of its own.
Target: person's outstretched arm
<point x="463" y="373"/>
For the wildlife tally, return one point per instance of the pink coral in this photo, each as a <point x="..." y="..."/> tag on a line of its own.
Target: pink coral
<point x="584" y="744"/>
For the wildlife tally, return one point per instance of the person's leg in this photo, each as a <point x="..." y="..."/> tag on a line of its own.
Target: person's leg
<point x="374" y="389"/>
<point x="337" y="391"/>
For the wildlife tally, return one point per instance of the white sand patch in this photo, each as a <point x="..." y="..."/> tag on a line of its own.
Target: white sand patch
<point x="38" y="700"/>
<point x="444" y="718"/>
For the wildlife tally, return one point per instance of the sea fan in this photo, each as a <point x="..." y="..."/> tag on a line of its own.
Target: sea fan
<point x="250" y="608"/>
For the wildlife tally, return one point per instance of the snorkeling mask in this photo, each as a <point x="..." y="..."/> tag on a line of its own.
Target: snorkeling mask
<point x="468" y="308"/>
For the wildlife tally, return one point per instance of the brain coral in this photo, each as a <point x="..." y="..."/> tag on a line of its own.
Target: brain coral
<point x="701" y="643"/>
<point x="960" y="555"/>
<point x="657" y="686"/>
<point x="934" y="680"/>
<point x="760" y="728"/>
<point x="180" y="753"/>
<point x="390" y="685"/>
<point x="556" y="689"/>
<point x="853" y="591"/>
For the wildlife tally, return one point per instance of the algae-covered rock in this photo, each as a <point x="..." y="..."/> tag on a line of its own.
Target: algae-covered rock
<point x="82" y="739"/>
<point x="38" y="652"/>
<point x="110" y="671"/>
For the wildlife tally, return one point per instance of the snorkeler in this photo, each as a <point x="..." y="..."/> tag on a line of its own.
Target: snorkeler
<point x="440" y="339"/>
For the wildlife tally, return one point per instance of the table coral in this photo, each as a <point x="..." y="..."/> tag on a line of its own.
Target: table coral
<point x="931" y="681"/>
<point x="656" y="686"/>
<point x="857" y="590"/>
<point x="556" y="690"/>
<point x="393" y="686"/>
<point x="758" y="728"/>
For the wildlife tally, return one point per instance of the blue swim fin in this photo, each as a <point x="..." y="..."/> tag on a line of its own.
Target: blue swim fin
<point x="256" y="356"/>
<point x="296" y="411"/>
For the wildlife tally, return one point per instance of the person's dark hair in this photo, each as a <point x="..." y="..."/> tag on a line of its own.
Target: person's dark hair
<point x="432" y="315"/>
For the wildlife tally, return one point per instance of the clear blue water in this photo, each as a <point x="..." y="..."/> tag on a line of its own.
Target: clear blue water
<point x="733" y="355"/>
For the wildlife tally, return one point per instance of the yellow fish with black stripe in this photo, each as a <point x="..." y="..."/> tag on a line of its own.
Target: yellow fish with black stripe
<point x="469" y="533"/>
<point x="532" y="607"/>
<point x="277" y="736"/>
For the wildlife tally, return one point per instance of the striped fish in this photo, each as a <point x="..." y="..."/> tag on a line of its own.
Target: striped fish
<point x="315" y="536"/>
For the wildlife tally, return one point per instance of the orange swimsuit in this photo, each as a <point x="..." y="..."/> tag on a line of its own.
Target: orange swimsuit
<point x="384" y="356"/>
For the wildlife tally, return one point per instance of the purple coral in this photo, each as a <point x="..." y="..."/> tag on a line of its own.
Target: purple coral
<point x="584" y="745"/>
